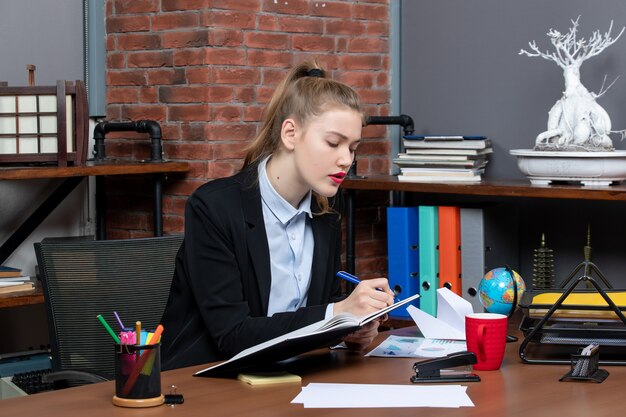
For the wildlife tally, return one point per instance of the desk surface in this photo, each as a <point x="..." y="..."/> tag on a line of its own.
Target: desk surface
<point x="515" y="390"/>
<point x="91" y="168"/>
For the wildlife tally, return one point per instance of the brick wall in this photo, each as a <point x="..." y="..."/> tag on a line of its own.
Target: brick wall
<point x="204" y="70"/>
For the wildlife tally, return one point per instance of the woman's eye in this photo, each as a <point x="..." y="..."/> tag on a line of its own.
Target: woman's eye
<point x="333" y="145"/>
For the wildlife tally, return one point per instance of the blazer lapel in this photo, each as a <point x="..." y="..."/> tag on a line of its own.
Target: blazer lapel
<point x="256" y="236"/>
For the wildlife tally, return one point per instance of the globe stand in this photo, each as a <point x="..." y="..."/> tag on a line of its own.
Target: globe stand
<point x="510" y="338"/>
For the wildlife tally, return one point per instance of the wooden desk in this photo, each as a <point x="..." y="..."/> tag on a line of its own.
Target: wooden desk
<point x="514" y="390"/>
<point x="72" y="177"/>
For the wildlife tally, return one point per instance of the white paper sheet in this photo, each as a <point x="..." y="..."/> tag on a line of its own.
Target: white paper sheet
<point x="316" y="395"/>
<point x="450" y="320"/>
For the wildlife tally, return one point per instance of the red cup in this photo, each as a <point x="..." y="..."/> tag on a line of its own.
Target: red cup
<point x="485" y="334"/>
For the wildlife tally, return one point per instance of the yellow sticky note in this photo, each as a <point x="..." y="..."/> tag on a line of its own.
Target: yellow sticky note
<point x="264" y="378"/>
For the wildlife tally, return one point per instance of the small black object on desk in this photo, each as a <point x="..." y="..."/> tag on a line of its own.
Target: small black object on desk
<point x="430" y="370"/>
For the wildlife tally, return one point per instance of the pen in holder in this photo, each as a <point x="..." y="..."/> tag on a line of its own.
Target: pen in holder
<point x="138" y="375"/>
<point x="585" y="366"/>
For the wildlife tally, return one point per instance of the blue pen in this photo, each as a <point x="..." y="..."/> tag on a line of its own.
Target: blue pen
<point x="354" y="280"/>
<point x="348" y="277"/>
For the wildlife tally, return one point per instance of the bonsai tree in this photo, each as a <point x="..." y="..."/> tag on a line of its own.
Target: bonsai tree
<point x="576" y="122"/>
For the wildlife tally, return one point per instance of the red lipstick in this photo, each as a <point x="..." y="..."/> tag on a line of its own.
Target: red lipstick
<point x="337" y="177"/>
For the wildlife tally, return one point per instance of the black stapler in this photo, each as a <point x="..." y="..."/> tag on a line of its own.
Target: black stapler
<point x="430" y="370"/>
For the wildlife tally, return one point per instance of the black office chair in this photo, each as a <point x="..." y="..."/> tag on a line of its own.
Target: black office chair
<point x="83" y="278"/>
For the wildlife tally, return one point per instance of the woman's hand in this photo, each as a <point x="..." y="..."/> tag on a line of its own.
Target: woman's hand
<point x="362" y="338"/>
<point x="369" y="296"/>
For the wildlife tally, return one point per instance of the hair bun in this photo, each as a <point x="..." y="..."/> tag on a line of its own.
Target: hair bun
<point x="315" y="72"/>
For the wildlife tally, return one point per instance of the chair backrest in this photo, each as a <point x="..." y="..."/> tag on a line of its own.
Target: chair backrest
<point x="83" y="278"/>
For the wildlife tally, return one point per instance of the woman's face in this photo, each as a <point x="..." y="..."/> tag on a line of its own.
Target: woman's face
<point x="324" y="149"/>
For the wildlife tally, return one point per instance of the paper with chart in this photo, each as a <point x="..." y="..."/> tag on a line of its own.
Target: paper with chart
<point x="416" y="347"/>
<point x="450" y="320"/>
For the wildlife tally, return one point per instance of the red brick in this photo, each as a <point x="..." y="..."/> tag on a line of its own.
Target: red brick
<point x="184" y="187"/>
<point x="174" y="5"/>
<point x="143" y="112"/>
<point x="252" y="113"/>
<point x="231" y="131"/>
<point x="225" y="37"/>
<point x="138" y="41"/>
<point x="199" y="75"/>
<point x="368" y="45"/>
<point x="237" y="76"/>
<point x="374" y="147"/>
<point x="170" y="131"/>
<point x="374" y="96"/>
<point x="247" y="5"/>
<point x="221" y="169"/>
<point x="166" y="76"/>
<point x="116" y="60"/>
<point x="191" y="151"/>
<point x="194" y="131"/>
<point x="297" y="7"/>
<point x="186" y="39"/>
<point x="340" y="9"/>
<point x="126" y="77"/>
<point x="173" y="224"/>
<point x="228" y="150"/>
<point x="300" y="24"/>
<point x="266" y="40"/>
<point x="219" y="56"/>
<point x="370" y="11"/>
<point x="345" y="27"/>
<point x="243" y="95"/>
<point x="266" y="58"/>
<point x="234" y="20"/>
<point x="313" y="43"/>
<point x="226" y="113"/>
<point x="150" y="59"/>
<point x="122" y="95"/>
<point x="183" y="94"/>
<point x="169" y="21"/>
<point x="135" y="23"/>
<point x="266" y="22"/>
<point x="136" y="6"/>
<point x="360" y="79"/>
<point x="189" y="113"/>
<point x="149" y="95"/>
<point x="378" y="29"/>
<point x="186" y="57"/>
<point x="360" y="62"/>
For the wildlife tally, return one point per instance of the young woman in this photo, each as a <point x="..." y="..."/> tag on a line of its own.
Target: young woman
<point x="262" y="247"/>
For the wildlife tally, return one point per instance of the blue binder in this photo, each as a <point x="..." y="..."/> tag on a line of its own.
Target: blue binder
<point x="403" y="254"/>
<point x="428" y="258"/>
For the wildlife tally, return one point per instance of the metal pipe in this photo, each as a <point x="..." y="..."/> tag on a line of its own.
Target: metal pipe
<point x="142" y="126"/>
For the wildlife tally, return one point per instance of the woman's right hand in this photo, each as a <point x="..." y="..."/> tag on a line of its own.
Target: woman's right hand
<point x="368" y="296"/>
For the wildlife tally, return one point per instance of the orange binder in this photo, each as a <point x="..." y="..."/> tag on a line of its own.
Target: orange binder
<point x="450" y="248"/>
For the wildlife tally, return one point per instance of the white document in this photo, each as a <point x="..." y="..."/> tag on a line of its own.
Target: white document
<point x="397" y="347"/>
<point x="316" y="395"/>
<point x="450" y="320"/>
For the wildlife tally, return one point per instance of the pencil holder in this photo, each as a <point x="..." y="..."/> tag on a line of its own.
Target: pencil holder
<point x="138" y="376"/>
<point x="585" y="368"/>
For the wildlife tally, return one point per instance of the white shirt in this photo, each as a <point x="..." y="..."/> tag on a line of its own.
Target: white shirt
<point x="291" y="244"/>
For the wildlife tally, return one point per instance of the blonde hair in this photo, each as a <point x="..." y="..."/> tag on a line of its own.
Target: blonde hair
<point x="303" y="93"/>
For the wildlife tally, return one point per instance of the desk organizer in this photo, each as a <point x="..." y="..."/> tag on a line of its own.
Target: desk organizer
<point x="572" y="317"/>
<point x="44" y="124"/>
<point x="585" y="368"/>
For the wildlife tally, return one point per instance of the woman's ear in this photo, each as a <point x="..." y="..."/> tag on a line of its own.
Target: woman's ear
<point x="288" y="134"/>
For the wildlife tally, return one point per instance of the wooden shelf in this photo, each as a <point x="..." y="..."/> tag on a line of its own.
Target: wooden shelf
<point x="109" y="167"/>
<point x="505" y="188"/>
<point x="34" y="296"/>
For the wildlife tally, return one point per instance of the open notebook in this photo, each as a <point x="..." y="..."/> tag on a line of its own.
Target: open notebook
<point x="313" y="336"/>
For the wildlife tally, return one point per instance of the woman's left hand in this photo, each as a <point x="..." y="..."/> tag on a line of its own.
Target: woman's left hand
<point x="362" y="338"/>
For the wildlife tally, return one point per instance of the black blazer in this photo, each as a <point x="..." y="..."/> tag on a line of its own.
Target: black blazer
<point x="220" y="292"/>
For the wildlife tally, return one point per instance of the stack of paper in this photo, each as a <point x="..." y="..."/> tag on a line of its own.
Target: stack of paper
<point x="317" y="395"/>
<point x="450" y="320"/>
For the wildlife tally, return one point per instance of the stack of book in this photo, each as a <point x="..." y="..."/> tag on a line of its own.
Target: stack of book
<point x="12" y="280"/>
<point x="443" y="158"/>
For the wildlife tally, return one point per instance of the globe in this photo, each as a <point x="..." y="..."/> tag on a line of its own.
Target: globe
<point x="496" y="291"/>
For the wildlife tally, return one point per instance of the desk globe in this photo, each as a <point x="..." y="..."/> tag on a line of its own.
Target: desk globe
<point x="496" y="291"/>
